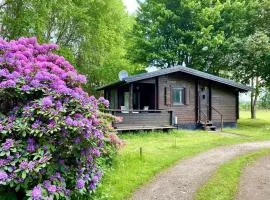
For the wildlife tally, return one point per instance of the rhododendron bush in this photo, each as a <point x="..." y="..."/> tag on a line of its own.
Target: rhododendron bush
<point x="53" y="136"/>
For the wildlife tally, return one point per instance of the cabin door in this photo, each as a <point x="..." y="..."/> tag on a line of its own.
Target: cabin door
<point x="203" y="103"/>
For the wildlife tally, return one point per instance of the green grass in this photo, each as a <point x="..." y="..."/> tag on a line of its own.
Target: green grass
<point x="224" y="184"/>
<point x="161" y="150"/>
<point x="255" y="128"/>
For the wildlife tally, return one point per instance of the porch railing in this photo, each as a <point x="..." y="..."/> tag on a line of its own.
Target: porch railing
<point x="206" y="116"/>
<point x="131" y="117"/>
<point x="221" y="117"/>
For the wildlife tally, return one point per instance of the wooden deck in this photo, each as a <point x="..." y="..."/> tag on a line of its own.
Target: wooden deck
<point x="143" y="120"/>
<point x="144" y="128"/>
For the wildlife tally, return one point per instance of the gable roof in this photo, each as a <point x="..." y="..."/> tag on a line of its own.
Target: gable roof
<point x="186" y="70"/>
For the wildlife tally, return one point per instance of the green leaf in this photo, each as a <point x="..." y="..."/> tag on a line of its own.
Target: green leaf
<point x="23" y="174"/>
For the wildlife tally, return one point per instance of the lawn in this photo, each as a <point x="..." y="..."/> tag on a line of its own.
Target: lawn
<point x="256" y="129"/>
<point x="161" y="150"/>
<point x="224" y="183"/>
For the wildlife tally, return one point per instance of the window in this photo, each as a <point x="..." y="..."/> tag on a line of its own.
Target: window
<point x="178" y="96"/>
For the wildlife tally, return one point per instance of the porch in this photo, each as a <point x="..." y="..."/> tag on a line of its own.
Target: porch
<point x="137" y="105"/>
<point x="143" y="120"/>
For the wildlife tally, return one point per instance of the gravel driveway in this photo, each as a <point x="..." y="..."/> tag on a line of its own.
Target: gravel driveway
<point x="181" y="181"/>
<point x="255" y="181"/>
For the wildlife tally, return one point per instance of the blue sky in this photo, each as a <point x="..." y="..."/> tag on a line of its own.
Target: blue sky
<point x="131" y="5"/>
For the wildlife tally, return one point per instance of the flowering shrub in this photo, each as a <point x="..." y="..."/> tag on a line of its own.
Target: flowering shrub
<point x="52" y="133"/>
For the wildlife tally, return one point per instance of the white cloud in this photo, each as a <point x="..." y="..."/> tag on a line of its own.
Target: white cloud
<point x="131" y="5"/>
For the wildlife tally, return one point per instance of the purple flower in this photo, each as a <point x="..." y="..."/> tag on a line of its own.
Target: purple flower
<point x="95" y="179"/>
<point x="3" y="162"/>
<point x="51" y="188"/>
<point x="8" y="84"/>
<point x="81" y="79"/>
<point x="69" y="121"/>
<point x="56" y="95"/>
<point x="58" y="105"/>
<point x="80" y="184"/>
<point x="31" y="165"/>
<point x="75" y="123"/>
<point x="3" y="176"/>
<point x="43" y="159"/>
<point x="4" y="72"/>
<point x="36" y="193"/>
<point x="103" y="101"/>
<point x="46" y="183"/>
<point x="61" y="162"/>
<point x="23" y="165"/>
<point x="77" y="140"/>
<point x="25" y="88"/>
<point x="47" y="101"/>
<point x="52" y="124"/>
<point x="96" y="152"/>
<point x="9" y="143"/>
<point x="10" y="158"/>
<point x="30" y="145"/>
<point x="86" y="135"/>
<point x="35" y="83"/>
<point x="92" y="186"/>
<point x="36" y="124"/>
<point x="45" y="147"/>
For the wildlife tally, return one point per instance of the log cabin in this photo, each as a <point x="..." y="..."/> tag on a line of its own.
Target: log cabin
<point x="178" y="97"/>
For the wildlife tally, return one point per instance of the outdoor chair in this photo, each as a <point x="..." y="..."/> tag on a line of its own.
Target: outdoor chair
<point x="124" y="109"/>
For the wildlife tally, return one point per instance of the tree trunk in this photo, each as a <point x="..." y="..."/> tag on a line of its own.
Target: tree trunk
<point x="254" y="96"/>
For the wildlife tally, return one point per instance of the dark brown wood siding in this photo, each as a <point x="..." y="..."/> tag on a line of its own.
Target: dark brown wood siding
<point x="224" y="99"/>
<point x="185" y="113"/>
<point x="162" y="118"/>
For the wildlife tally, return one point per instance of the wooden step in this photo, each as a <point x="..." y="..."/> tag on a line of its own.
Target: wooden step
<point x="209" y="128"/>
<point x="208" y="123"/>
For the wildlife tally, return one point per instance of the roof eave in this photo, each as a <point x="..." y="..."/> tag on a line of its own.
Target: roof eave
<point x="110" y="85"/>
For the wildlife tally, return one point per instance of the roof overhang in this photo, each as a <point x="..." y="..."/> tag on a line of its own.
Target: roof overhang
<point x="114" y="84"/>
<point x="143" y="76"/>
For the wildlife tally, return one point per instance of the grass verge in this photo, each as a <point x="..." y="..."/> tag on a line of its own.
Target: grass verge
<point x="224" y="183"/>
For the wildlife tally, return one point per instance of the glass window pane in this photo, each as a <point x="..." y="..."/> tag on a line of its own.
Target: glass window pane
<point x="178" y="96"/>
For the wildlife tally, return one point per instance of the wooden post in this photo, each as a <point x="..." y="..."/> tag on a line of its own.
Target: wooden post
<point x="156" y="93"/>
<point x="221" y="126"/>
<point x="140" y="152"/>
<point x="237" y="105"/>
<point x="210" y="101"/>
<point x="131" y="96"/>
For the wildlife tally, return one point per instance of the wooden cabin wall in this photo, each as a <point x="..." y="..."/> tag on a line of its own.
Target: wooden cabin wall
<point x="186" y="113"/>
<point x="224" y="99"/>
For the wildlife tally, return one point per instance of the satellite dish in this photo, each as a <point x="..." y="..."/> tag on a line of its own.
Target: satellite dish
<point x="184" y="64"/>
<point x="122" y="75"/>
<point x="151" y="69"/>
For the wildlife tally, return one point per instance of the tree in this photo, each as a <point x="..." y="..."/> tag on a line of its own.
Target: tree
<point x="170" y="32"/>
<point x="265" y="99"/>
<point x="197" y="32"/>
<point x="213" y="36"/>
<point x="250" y="62"/>
<point x="92" y="33"/>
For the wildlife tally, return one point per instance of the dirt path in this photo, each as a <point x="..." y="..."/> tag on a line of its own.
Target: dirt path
<point x="181" y="181"/>
<point x="255" y="181"/>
